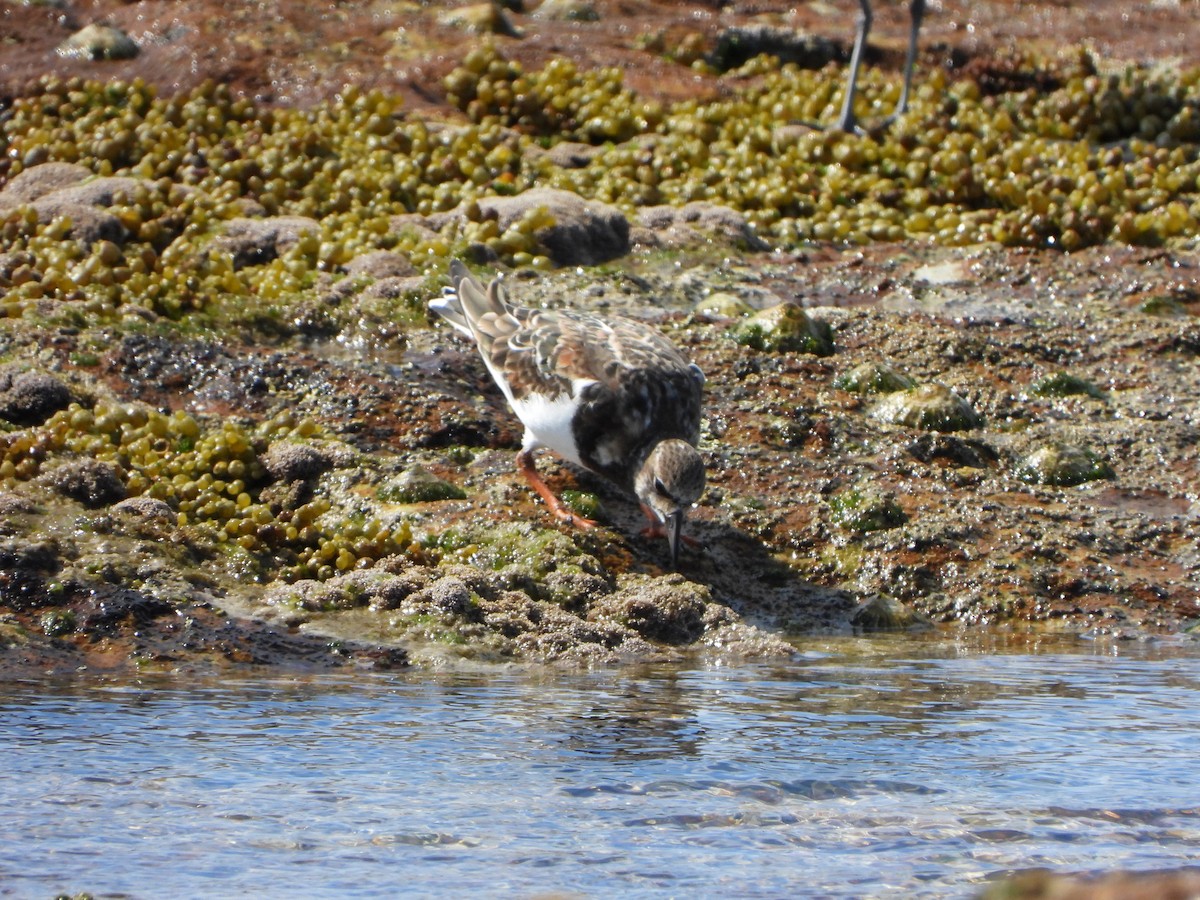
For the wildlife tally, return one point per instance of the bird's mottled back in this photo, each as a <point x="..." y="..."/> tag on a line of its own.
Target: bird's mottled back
<point x="603" y="392"/>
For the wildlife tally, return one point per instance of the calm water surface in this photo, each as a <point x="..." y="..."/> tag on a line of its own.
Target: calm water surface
<point x="866" y="768"/>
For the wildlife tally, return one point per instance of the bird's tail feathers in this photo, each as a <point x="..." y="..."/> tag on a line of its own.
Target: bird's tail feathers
<point x="466" y="302"/>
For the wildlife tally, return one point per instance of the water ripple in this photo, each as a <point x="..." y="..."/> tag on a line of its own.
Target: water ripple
<point x="866" y="768"/>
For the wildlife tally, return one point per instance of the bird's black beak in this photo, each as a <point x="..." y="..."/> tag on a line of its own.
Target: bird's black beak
<point x="674" y="523"/>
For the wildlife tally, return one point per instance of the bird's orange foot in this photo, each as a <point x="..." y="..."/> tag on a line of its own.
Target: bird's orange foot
<point x="657" y="531"/>
<point x="563" y="513"/>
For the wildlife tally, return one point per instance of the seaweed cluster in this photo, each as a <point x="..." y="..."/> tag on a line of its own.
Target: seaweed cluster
<point x="1086" y="159"/>
<point x="213" y="480"/>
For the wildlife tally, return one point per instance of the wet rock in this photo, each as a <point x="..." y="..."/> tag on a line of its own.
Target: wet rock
<point x="666" y="610"/>
<point x="584" y="232"/>
<point x="448" y="596"/>
<point x="479" y="18"/>
<point x="1063" y="384"/>
<point x="97" y="42"/>
<point x="696" y="223"/>
<point x="15" y="504"/>
<point x="881" y="613"/>
<point x="31" y="397"/>
<point x="728" y="635"/>
<point x="393" y="288"/>
<point x="572" y="155"/>
<point x="110" y="605"/>
<point x="865" y="508"/>
<point x="741" y="43"/>
<point x="92" y="482"/>
<point x="953" y="450"/>
<point x="380" y="264"/>
<point x="933" y="407"/>
<point x="100" y="192"/>
<point x="567" y="11"/>
<point x="343" y="592"/>
<point x="574" y="591"/>
<point x="147" y="508"/>
<point x="62" y="190"/>
<point x="37" y="181"/>
<point x="784" y="328"/>
<point x="1062" y="465"/>
<point x="1042" y="885"/>
<point x="286" y="461"/>
<point x="417" y="484"/>
<point x="57" y="622"/>
<point x="722" y="304"/>
<point x="252" y="242"/>
<point x="88" y="224"/>
<point x="873" y="378"/>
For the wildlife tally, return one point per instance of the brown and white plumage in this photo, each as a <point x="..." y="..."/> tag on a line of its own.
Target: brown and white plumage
<point x="611" y="395"/>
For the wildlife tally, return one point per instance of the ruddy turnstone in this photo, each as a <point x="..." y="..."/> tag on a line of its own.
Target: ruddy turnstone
<point x="611" y="395"/>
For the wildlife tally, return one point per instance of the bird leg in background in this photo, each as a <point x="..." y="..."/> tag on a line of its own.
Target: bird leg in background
<point x="846" y="121"/>
<point x="561" y="511"/>
<point x="916" y="11"/>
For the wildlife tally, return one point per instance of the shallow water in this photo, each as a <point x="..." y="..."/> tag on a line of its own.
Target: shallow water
<point x="877" y="767"/>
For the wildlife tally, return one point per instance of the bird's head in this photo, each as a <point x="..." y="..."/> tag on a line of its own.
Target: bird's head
<point x="668" y="483"/>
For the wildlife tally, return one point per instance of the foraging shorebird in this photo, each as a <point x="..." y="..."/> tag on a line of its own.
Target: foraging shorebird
<point x="916" y="11"/>
<point x="609" y="394"/>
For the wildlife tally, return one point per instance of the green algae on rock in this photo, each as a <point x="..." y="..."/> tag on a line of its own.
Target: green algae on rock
<point x="933" y="407"/>
<point x="873" y="378"/>
<point x="416" y="484"/>
<point x="1062" y="465"/>
<point x="865" y="508"/>
<point x="879" y="613"/>
<point x="784" y="327"/>
<point x="98" y="42"/>
<point x="1064" y="384"/>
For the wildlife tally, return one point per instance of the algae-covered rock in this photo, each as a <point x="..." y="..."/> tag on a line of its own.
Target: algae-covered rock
<point x="479" y="18"/>
<point x="416" y="484"/>
<point x="933" y="407"/>
<point x="666" y="610"/>
<point x="572" y="231"/>
<point x="1063" y="384"/>
<point x="91" y="482"/>
<point x="98" y="42"/>
<point x="252" y="242"/>
<point x="37" y="181"/>
<point x="30" y="398"/>
<point x="1062" y="465"/>
<point x="873" y="378"/>
<point x="945" y="448"/>
<point x="879" y="613"/>
<point x="784" y="328"/>
<point x="288" y="461"/>
<point x="740" y="43"/>
<point x="724" y="305"/>
<point x="567" y="11"/>
<point x="699" y="223"/>
<point x="146" y="508"/>
<point x="865" y="508"/>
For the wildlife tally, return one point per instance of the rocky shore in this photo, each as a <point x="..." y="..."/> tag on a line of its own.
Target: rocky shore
<point x="951" y="366"/>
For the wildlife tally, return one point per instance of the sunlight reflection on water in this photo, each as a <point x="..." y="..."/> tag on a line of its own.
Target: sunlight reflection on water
<point x="863" y="768"/>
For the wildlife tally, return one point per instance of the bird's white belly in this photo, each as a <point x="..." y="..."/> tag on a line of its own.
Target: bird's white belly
<point x="548" y="422"/>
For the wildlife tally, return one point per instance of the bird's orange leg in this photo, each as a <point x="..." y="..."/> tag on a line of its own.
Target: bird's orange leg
<point x="561" y="511"/>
